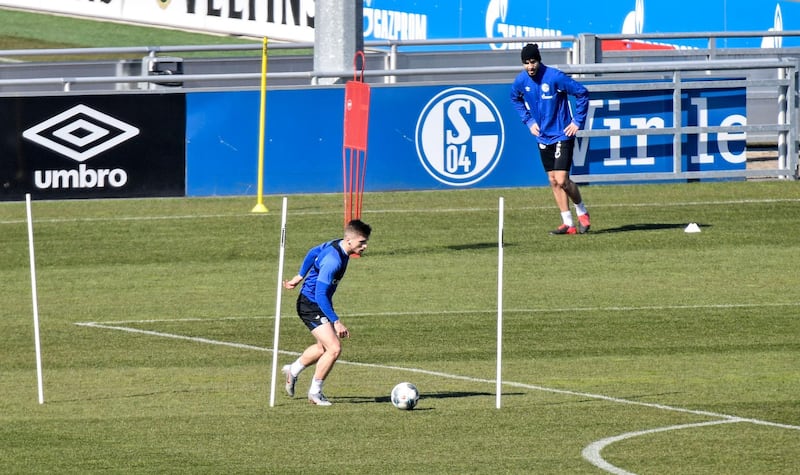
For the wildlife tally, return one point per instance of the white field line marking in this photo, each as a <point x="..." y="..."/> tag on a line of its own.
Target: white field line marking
<point x="398" y="211"/>
<point x="462" y="312"/>
<point x="592" y="451"/>
<point x="443" y="375"/>
<point x="195" y="339"/>
<point x="131" y="218"/>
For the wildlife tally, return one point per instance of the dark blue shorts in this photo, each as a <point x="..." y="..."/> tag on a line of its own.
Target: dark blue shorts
<point x="557" y="156"/>
<point x="310" y="313"/>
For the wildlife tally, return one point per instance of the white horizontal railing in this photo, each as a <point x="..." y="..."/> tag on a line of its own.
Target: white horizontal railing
<point x="669" y="74"/>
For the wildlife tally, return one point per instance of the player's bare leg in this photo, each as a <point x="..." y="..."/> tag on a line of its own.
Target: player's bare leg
<point x="331" y="349"/>
<point x="560" y="185"/>
<point x="562" y="191"/>
<point x="309" y="356"/>
<point x="312" y="354"/>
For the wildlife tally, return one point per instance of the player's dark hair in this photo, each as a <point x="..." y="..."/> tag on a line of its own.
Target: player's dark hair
<point x="531" y="52"/>
<point x="358" y="227"/>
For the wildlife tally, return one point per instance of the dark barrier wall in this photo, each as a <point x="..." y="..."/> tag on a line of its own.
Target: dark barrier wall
<point x="440" y="137"/>
<point x="98" y="146"/>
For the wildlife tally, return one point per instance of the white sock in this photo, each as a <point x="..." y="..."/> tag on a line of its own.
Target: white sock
<point x="296" y="368"/>
<point x="566" y="217"/>
<point x="316" y="386"/>
<point x="580" y="209"/>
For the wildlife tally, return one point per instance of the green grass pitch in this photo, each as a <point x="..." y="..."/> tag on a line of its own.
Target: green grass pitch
<point x="638" y="345"/>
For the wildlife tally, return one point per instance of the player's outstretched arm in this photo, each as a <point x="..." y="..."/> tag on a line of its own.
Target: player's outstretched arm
<point x="293" y="282"/>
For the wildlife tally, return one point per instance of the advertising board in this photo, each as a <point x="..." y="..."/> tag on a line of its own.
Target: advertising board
<point x="293" y="20"/>
<point x="420" y="138"/>
<point x="99" y="146"/>
<point x="653" y="109"/>
<point x="441" y="137"/>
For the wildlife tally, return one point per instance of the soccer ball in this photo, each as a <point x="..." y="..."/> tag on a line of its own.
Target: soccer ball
<point x="405" y="396"/>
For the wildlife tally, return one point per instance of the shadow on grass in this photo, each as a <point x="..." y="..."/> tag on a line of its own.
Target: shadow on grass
<point x="635" y="397"/>
<point x="441" y="395"/>
<point x="645" y="227"/>
<point x="130" y="396"/>
<point x="475" y="246"/>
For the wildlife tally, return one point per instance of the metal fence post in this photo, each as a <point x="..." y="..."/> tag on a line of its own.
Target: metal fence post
<point x="783" y="113"/>
<point x="590" y="49"/>
<point x="677" y="123"/>
<point x="792" y="106"/>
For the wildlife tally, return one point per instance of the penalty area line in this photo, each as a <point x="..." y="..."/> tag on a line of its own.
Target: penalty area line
<point x="195" y="339"/>
<point x="440" y="374"/>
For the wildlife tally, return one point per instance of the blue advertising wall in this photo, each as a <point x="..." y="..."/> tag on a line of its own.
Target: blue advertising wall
<point x="653" y="153"/>
<point x="303" y="144"/>
<point x="436" y="137"/>
<point x="437" y="19"/>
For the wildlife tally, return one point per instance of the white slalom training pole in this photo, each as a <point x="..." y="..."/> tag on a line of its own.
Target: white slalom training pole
<point x="35" y="302"/>
<point x="278" y="306"/>
<point x="499" y="388"/>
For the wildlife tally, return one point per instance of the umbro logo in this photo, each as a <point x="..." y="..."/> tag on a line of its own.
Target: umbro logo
<point x="81" y="133"/>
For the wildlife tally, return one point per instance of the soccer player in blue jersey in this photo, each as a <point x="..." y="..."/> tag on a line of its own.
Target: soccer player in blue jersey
<point x="321" y="271"/>
<point x="540" y="95"/>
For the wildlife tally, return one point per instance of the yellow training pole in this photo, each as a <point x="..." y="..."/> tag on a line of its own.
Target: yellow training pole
<point x="260" y="208"/>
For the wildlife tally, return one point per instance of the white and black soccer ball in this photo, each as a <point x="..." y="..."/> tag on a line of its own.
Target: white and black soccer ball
<point x="405" y="396"/>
